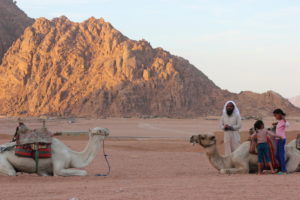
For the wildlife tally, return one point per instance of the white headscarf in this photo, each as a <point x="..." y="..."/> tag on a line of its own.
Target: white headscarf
<point x="236" y="109"/>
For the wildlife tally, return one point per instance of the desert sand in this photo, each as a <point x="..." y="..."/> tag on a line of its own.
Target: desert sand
<point x="150" y="159"/>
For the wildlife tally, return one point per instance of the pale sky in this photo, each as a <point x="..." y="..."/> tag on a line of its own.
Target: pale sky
<point x="239" y="44"/>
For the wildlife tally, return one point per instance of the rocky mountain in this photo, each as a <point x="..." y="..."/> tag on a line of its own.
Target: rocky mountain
<point x="59" y="67"/>
<point x="91" y="69"/>
<point x="13" y="21"/>
<point x="295" y="101"/>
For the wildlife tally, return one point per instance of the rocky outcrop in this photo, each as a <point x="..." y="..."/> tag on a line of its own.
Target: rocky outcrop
<point x="13" y="21"/>
<point x="90" y="69"/>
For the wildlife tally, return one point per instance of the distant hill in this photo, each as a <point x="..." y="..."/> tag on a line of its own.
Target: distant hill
<point x="13" y="21"/>
<point x="254" y="104"/>
<point x="295" y="101"/>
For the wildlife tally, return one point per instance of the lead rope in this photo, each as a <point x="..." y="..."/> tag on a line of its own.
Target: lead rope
<point x="106" y="160"/>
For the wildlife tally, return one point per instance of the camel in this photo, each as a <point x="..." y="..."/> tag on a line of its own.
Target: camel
<point x="63" y="161"/>
<point x="240" y="161"/>
<point x="293" y="157"/>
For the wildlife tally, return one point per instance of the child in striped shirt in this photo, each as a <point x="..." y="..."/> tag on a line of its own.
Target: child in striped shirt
<point x="262" y="146"/>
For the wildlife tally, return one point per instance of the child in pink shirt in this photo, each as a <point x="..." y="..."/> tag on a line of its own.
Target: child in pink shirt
<point x="280" y="133"/>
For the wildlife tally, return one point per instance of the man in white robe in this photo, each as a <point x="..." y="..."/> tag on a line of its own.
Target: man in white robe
<point x="231" y="123"/>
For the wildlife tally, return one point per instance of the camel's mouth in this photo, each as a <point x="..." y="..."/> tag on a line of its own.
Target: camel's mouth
<point x="208" y="145"/>
<point x="101" y="134"/>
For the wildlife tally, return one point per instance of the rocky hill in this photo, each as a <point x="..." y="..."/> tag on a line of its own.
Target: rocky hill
<point x="91" y="69"/>
<point x="64" y="68"/>
<point x="295" y="101"/>
<point x="13" y="21"/>
<point x="254" y="104"/>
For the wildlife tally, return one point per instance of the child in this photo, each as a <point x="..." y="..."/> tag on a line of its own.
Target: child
<point x="262" y="147"/>
<point x="280" y="133"/>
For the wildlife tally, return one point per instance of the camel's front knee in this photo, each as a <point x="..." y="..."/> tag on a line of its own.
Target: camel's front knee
<point x="70" y="172"/>
<point x="292" y="165"/>
<point x="8" y="173"/>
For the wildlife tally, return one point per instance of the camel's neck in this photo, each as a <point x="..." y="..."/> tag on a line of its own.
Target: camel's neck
<point x="84" y="158"/>
<point x="218" y="161"/>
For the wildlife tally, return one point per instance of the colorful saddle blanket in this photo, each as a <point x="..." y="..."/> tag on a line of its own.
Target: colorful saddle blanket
<point x="29" y="150"/>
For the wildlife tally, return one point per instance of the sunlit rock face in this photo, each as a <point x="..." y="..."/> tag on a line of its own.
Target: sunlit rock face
<point x="90" y="69"/>
<point x="13" y="21"/>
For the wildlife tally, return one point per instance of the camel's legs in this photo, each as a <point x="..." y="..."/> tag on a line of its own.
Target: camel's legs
<point x="44" y="174"/>
<point x="241" y="168"/>
<point x="293" y="164"/>
<point x="70" y="172"/>
<point x="6" y="168"/>
<point x="59" y="170"/>
<point x="234" y="171"/>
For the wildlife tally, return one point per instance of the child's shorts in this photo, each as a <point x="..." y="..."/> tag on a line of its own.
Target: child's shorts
<point x="263" y="152"/>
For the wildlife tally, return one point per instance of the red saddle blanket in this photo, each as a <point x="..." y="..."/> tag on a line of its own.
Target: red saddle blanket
<point x="28" y="150"/>
<point x="271" y="148"/>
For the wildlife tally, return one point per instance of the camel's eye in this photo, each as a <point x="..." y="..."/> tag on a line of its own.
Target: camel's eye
<point x="213" y="138"/>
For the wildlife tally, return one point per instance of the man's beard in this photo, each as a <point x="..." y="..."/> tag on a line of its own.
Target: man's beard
<point x="229" y="112"/>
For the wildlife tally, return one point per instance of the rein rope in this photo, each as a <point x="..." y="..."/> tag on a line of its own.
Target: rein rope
<point x="106" y="160"/>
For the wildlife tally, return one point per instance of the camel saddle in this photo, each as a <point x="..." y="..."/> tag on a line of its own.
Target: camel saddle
<point x="33" y="136"/>
<point x="33" y="143"/>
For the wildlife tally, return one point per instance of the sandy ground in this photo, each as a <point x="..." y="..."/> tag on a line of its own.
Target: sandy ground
<point x="147" y="168"/>
<point x="137" y="127"/>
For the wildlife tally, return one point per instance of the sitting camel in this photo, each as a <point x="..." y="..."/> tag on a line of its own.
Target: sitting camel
<point x="240" y="161"/>
<point x="63" y="160"/>
<point x="293" y="157"/>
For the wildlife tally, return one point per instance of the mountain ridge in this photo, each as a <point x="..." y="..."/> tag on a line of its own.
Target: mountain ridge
<point x="127" y="65"/>
<point x="90" y="69"/>
<point x="13" y="21"/>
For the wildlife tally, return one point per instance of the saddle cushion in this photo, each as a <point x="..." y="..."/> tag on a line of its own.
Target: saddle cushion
<point x="30" y="136"/>
<point x="28" y="151"/>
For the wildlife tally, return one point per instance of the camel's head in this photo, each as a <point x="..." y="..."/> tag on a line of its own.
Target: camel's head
<point x="99" y="131"/>
<point x="205" y="140"/>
